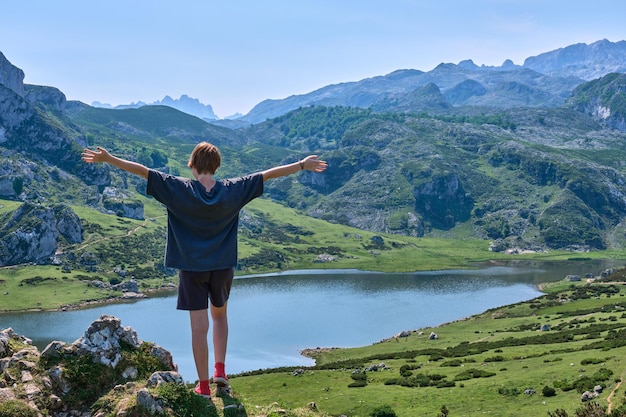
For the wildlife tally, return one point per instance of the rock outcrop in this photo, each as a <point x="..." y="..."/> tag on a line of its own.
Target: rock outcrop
<point x="49" y="96"/>
<point x="119" y="202"/>
<point x="11" y="76"/>
<point x="132" y="209"/>
<point x="29" y="124"/>
<point x="443" y="200"/>
<point x="32" y="232"/>
<point x="603" y="99"/>
<point x="54" y="382"/>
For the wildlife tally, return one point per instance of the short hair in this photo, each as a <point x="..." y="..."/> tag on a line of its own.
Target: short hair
<point x="205" y="158"/>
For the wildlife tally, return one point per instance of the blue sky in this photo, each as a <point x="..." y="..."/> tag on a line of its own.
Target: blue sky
<point x="233" y="54"/>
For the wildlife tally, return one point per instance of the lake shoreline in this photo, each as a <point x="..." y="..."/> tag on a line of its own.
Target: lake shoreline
<point x="125" y="298"/>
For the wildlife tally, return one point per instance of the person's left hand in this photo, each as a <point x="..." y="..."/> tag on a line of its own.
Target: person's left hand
<point x="311" y="163"/>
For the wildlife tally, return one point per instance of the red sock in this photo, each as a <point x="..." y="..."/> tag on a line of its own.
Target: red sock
<point x="204" y="386"/>
<point x="219" y="368"/>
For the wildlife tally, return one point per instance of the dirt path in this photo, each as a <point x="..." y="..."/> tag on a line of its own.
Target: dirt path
<point x="128" y="233"/>
<point x="609" y="399"/>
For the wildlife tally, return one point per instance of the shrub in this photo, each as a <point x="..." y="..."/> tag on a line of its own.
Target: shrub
<point x="357" y="384"/>
<point x="453" y="362"/>
<point x="360" y="379"/>
<point x="548" y="391"/>
<point x="473" y="373"/>
<point x="419" y="380"/>
<point x="393" y="381"/>
<point x="383" y="411"/>
<point x="590" y="361"/>
<point x="590" y="409"/>
<point x="498" y="358"/>
<point x="445" y="384"/>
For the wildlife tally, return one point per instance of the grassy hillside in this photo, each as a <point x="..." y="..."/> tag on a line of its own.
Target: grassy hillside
<point x="505" y="175"/>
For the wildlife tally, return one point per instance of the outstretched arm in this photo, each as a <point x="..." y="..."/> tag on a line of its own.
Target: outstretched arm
<point x="310" y="163"/>
<point x="102" y="155"/>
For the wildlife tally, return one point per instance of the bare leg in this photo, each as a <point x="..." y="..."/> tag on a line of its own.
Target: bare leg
<point x="220" y="332"/>
<point x="199" y="344"/>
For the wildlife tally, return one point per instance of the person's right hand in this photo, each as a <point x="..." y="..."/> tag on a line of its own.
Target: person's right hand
<point x="99" y="155"/>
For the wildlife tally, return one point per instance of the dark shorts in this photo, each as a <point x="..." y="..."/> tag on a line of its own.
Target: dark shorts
<point x="195" y="289"/>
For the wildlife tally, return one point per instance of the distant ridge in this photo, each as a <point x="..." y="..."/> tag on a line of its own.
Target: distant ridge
<point x="186" y="104"/>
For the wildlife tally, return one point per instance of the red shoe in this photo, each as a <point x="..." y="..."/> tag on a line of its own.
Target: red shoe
<point x="206" y="394"/>
<point x="220" y="379"/>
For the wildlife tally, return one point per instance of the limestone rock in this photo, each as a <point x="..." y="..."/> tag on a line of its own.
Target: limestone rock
<point x="128" y="286"/>
<point x="49" y="96"/>
<point x="68" y="223"/>
<point x="54" y="349"/>
<point x="26" y="379"/>
<point x="5" y="336"/>
<point x="146" y="401"/>
<point x="130" y="373"/>
<point x="6" y="394"/>
<point x="132" y="209"/>
<point x="11" y="76"/>
<point x="59" y="381"/>
<point x="103" y="338"/>
<point x="164" y="377"/>
<point x="31" y="232"/>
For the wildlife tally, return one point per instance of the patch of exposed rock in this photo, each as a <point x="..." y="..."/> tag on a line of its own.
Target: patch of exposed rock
<point x="53" y="382"/>
<point x="31" y="232"/>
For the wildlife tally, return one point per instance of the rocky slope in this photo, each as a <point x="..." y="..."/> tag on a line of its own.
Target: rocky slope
<point x="108" y="371"/>
<point x="31" y="233"/>
<point x="587" y="62"/>
<point x="603" y="99"/>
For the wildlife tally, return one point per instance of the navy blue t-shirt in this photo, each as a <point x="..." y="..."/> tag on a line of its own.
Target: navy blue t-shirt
<point x="201" y="225"/>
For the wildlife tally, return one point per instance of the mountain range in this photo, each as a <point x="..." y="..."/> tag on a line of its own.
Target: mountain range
<point x="518" y="157"/>
<point x="543" y="80"/>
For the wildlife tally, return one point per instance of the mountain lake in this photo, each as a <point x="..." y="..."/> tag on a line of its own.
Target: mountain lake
<point x="273" y="317"/>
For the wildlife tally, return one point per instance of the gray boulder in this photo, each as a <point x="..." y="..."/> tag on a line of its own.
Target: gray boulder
<point x="103" y="340"/>
<point x="132" y="209"/>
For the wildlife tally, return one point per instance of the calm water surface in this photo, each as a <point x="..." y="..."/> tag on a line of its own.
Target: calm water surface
<point x="273" y="317"/>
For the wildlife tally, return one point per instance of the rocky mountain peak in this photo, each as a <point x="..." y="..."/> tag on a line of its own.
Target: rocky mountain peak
<point x="586" y="62"/>
<point x="11" y="76"/>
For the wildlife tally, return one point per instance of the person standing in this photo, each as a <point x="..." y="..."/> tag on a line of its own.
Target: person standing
<point x="202" y="220"/>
